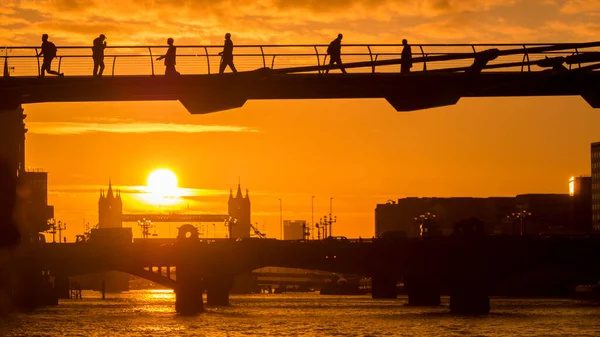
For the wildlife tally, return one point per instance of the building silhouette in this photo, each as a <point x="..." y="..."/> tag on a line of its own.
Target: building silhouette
<point x="110" y="208"/>
<point x="239" y="209"/>
<point x="32" y="210"/>
<point x="294" y="229"/>
<point x="596" y="186"/>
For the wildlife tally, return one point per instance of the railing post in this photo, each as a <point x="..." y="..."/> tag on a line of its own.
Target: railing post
<point x="263" y="57"/>
<point x="273" y="62"/>
<point x="526" y="57"/>
<point x="151" y="60"/>
<point x="424" y="58"/>
<point x="38" y="62"/>
<point x="371" y="56"/>
<point x="6" y="72"/>
<point x="59" y="62"/>
<point x="579" y="63"/>
<point x="318" y="59"/>
<point x="113" y="67"/>
<point x="207" y="59"/>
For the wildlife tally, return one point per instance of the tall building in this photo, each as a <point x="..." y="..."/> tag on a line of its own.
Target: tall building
<point x="12" y="138"/>
<point x="596" y="186"/>
<point x="110" y="209"/>
<point x="239" y="209"/>
<point x="580" y="190"/>
<point x="294" y="229"/>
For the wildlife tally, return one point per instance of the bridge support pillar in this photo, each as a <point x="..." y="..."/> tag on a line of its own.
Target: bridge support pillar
<point x="422" y="291"/>
<point x="188" y="298"/>
<point x="61" y="287"/>
<point x="217" y="290"/>
<point x="384" y="287"/>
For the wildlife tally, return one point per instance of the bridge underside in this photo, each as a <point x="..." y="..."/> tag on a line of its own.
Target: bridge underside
<point x="202" y="94"/>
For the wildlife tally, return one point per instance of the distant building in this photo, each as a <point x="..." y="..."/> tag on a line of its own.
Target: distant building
<point x="239" y="209"/>
<point x="110" y="209"/>
<point x="596" y="186"/>
<point x="540" y="213"/>
<point x="550" y="213"/>
<point x="294" y="229"/>
<point x="400" y="215"/>
<point x="580" y="190"/>
<point x="33" y="206"/>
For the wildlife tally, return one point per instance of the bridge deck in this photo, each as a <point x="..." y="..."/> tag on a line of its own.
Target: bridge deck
<point x="210" y="93"/>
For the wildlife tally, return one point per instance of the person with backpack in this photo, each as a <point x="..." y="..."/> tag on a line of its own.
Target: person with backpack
<point x="170" y="59"/>
<point x="335" y="53"/>
<point x="98" y="54"/>
<point x="49" y="53"/>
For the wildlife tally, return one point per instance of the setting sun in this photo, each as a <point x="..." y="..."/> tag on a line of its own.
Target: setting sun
<point x="162" y="183"/>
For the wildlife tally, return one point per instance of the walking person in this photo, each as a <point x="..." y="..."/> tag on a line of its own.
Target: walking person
<point x="335" y="54"/>
<point x="169" y="58"/>
<point x="227" y="55"/>
<point x="49" y="52"/>
<point x="406" y="59"/>
<point x="98" y="54"/>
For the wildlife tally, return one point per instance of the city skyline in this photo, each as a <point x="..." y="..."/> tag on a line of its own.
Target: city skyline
<point x="295" y="149"/>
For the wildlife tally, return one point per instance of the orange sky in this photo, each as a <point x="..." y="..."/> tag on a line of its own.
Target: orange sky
<point x="359" y="152"/>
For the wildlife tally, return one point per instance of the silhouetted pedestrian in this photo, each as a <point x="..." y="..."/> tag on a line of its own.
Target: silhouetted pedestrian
<point x="49" y="53"/>
<point x="98" y="54"/>
<point x="335" y="53"/>
<point x="406" y="60"/>
<point x="227" y="55"/>
<point x="169" y="58"/>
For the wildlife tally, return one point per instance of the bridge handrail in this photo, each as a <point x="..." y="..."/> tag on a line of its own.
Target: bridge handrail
<point x="368" y="52"/>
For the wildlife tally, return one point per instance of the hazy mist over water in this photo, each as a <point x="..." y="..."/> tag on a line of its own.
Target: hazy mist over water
<point x="152" y="313"/>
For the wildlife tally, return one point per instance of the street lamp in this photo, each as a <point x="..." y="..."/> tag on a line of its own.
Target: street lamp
<point x="312" y="221"/>
<point x="521" y="218"/>
<point x="61" y="227"/>
<point x="52" y="229"/>
<point x="330" y="217"/>
<point x="281" y="219"/>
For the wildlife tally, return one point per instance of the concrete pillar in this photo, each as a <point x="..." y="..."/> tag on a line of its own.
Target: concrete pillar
<point x="422" y="291"/>
<point x="62" y="287"/>
<point x="217" y="290"/>
<point x="188" y="298"/>
<point x="384" y="287"/>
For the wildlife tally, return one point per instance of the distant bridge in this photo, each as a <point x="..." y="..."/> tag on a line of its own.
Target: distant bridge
<point x="442" y="74"/>
<point x="175" y="217"/>
<point x="468" y="266"/>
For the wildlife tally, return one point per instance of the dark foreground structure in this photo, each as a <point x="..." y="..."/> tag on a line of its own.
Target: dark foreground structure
<point x="466" y="265"/>
<point x="299" y="72"/>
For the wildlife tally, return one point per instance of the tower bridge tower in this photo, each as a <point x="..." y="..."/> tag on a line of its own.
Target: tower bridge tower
<point x="239" y="209"/>
<point x="110" y="208"/>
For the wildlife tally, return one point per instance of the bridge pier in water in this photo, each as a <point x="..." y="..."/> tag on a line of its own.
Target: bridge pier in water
<point x="217" y="290"/>
<point x="62" y="287"/>
<point x="422" y="291"/>
<point x="384" y="287"/>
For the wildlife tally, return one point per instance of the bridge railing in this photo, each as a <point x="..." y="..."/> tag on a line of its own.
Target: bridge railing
<point x="380" y="58"/>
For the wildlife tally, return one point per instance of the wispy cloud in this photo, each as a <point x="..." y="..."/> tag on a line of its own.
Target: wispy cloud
<point x="73" y="128"/>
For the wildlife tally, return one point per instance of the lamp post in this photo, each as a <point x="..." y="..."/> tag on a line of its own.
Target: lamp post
<point x="61" y="227"/>
<point x="312" y="221"/>
<point x="520" y="217"/>
<point x="52" y="229"/>
<point x="330" y="217"/>
<point x="281" y="219"/>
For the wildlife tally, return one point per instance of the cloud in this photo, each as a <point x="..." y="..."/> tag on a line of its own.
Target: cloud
<point x="73" y="128"/>
<point x="581" y="6"/>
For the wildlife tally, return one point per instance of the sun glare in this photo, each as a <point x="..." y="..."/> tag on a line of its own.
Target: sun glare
<point x="162" y="183"/>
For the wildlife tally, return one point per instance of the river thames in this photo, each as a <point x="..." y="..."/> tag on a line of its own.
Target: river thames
<point x="151" y="313"/>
